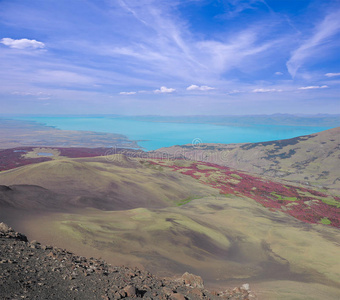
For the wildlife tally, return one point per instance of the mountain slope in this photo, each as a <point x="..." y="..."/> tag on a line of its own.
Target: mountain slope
<point x="31" y="197"/>
<point x="109" y="183"/>
<point x="34" y="271"/>
<point x="226" y="240"/>
<point x="312" y="159"/>
<point x="177" y="216"/>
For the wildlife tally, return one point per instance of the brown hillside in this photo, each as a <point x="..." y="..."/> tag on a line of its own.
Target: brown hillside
<point x="311" y="159"/>
<point x="108" y="183"/>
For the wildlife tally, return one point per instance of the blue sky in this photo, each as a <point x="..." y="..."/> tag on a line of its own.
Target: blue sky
<point x="169" y="57"/>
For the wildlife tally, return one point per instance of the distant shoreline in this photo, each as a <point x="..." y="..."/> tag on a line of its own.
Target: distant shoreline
<point x="20" y="133"/>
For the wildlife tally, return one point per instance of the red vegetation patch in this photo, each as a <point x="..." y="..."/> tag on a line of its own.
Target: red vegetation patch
<point x="82" y="152"/>
<point x="13" y="158"/>
<point x="274" y="195"/>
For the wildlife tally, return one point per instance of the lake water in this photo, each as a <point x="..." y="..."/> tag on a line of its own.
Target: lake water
<point x="154" y="135"/>
<point x="45" y="154"/>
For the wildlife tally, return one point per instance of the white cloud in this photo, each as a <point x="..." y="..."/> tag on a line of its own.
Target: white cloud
<point x="315" y="45"/>
<point x="164" y="89"/>
<point x="278" y="73"/>
<point x="311" y="87"/>
<point x="234" y="92"/>
<point x="225" y="56"/>
<point x="127" y="93"/>
<point x="40" y="94"/>
<point x="22" y="43"/>
<point x="265" y="90"/>
<point x="332" y="74"/>
<point x="37" y="95"/>
<point x="200" y="88"/>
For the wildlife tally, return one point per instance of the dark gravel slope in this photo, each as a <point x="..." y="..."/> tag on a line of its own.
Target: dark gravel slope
<point x="29" y="270"/>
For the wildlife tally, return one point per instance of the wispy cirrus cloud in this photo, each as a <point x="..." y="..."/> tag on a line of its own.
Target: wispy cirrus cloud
<point x="232" y="54"/>
<point x="194" y="87"/>
<point x="332" y="74"/>
<point x="164" y="90"/>
<point x="234" y="7"/>
<point x="266" y="90"/>
<point x="314" y="46"/>
<point x="40" y="94"/>
<point x="161" y="48"/>
<point x="165" y="45"/>
<point x="165" y="40"/>
<point x="22" y="43"/>
<point x="312" y="87"/>
<point x="133" y="47"/>
<point x="127" y="93"/>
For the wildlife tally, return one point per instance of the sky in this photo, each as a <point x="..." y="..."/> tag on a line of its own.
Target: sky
<point x="169" y="57"/>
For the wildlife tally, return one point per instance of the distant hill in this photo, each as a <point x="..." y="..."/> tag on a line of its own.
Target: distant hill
<point x="107" y="183"/>
<point x="19" y="133"/>
<point x="311" y="159"/>
<point x="323" y="120"/>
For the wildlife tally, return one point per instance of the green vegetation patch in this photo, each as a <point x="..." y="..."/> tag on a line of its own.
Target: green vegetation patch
<point x="331" y="202"/>
<point x="204" y="167"/>
<point x="280" y="197"/>
<point x="152" y="166"/>
<point x="187" y="200"/>
<point x="236" y="176"/>
<point x="181" y="163"/>
<point x="325" y="221"/>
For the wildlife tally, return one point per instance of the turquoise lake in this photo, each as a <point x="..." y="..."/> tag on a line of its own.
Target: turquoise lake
<point x="154" y="135"/>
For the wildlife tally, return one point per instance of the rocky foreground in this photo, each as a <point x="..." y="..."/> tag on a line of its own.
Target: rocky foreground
<point x="29" y="270"/>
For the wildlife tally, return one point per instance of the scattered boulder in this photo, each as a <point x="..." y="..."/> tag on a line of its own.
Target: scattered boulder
<point x="197" y="292"/>
<point x="130" y="291"/>
<point x="192" y="280"/>
<point x="8" y="232"/>
<point x="178" y="296"/>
